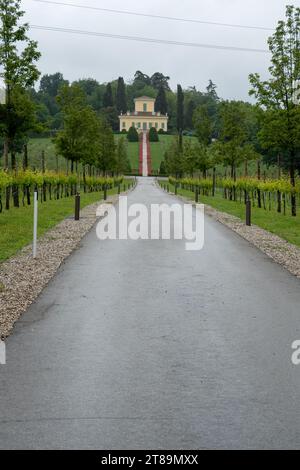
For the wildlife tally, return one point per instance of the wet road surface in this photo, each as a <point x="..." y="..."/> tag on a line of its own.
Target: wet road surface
<point x="141" y="344"/>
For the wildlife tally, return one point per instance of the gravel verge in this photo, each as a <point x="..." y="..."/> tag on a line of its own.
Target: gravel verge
<point x="22" y="278"/>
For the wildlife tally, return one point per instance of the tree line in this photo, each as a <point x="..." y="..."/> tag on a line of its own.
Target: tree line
<point x="232" y="133"/>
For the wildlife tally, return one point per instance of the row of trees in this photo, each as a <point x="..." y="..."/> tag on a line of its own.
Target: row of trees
<point x="84" y="134"/>
<point x="86" y="137"/>
<point x="116" y="97"/>
<point x="233" y="132"/>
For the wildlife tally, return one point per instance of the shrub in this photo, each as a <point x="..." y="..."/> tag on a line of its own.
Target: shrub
<point x="132" y="135"/>
<point x="161" y="131"/>
<point x="153" y="136"/>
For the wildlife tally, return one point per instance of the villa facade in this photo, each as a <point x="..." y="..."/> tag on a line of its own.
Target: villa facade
<point x="143" y="117"/>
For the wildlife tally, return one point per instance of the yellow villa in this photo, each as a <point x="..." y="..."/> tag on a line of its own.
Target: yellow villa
<point x="143" y="117"/>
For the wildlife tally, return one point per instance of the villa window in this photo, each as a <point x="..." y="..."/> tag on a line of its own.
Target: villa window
<point x="150" y="125"/>
<point x="162" y="125"/>
<point x="156" y="125"/>
<point x="124" y="124"/>
<point x="132" y="124"/>
<point x="145" y="107"/>
<point x="139" y="125"/>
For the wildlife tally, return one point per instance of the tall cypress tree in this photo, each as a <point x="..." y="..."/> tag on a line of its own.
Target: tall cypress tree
<point x="180" y="114"/>
<point x="121" y="101"/>
<point x="161" y="101"/>
<point x="108" y="101"/>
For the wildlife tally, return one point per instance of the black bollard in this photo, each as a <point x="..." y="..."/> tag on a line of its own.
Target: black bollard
<point x="105" y="193"/>
<point x="196" y="195"/>
<point x="248" y="212"/>
<point x="77" y="206"/>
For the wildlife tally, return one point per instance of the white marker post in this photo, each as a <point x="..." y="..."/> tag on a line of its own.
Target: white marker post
<point x="35" y="221"/>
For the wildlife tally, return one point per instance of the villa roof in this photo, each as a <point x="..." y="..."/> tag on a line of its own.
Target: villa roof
<point x="144" y="98"/>
<point x="143" y="113"/>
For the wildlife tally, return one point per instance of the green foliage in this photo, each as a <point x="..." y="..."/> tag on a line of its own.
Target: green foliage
<point x="105" y="160"/>
<point x="18" y="57"/>
<point x="36" y="179"/>
<point x="189" y="114"/>
<point x="153" y="135"/>
<point x="280" y="94"/>
<point x="173" y="159"/>
<point x="122" y="161"/>
<point x="204" y="124"/>
<point x="110" y="115"/>
<point x="108" y="101"/>
<point x="180" y="114"/>
<point x="132" y="135"/>
<point x="19" y="116"/>
<point x="161" y="104"/>
<point x="234" y="139"/>
<point x="121" y="101"/>
<point x="249" y="185"/>
<point x="162" y="168"/>
<point x="83" y="137"/>
<point x="19" y="68"/>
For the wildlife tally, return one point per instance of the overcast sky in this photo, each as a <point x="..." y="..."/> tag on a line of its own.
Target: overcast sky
<point x="105" y="59"/>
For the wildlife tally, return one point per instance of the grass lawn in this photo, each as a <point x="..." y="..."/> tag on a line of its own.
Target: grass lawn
<point x="158" y="149"/>
<point x="285" y="226"/>
<point x="16" y="225"/>
<point x="132" y="152"/>
<point x="37" y="145"/>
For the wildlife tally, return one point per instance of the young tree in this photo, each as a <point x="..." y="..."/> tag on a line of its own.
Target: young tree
<point x="121" y="101"/>
<point x="280" y="95"/>
<point x="234" y="139"/>
<point x="20" y="118"/>
<point x="180" y="114"/>
<point x="122" y="160"/>
<point x="190" y="158"/>
<point x="18" y="55"/>
<point x="161" y="104"/>
<point x="79" y="140"/>
<point x="173" y="160"/>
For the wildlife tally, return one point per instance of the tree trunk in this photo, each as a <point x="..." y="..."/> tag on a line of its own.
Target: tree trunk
<point x="258" y="177"/>
<point x="15" y="187"/>
<point x="246" y="168"/>
<point x="293" y="195"/>
<point x="214" y="182"/>
<point x="43" y="162"/>
<point x="5" y="153"/>
<point x="25" y="157"/>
